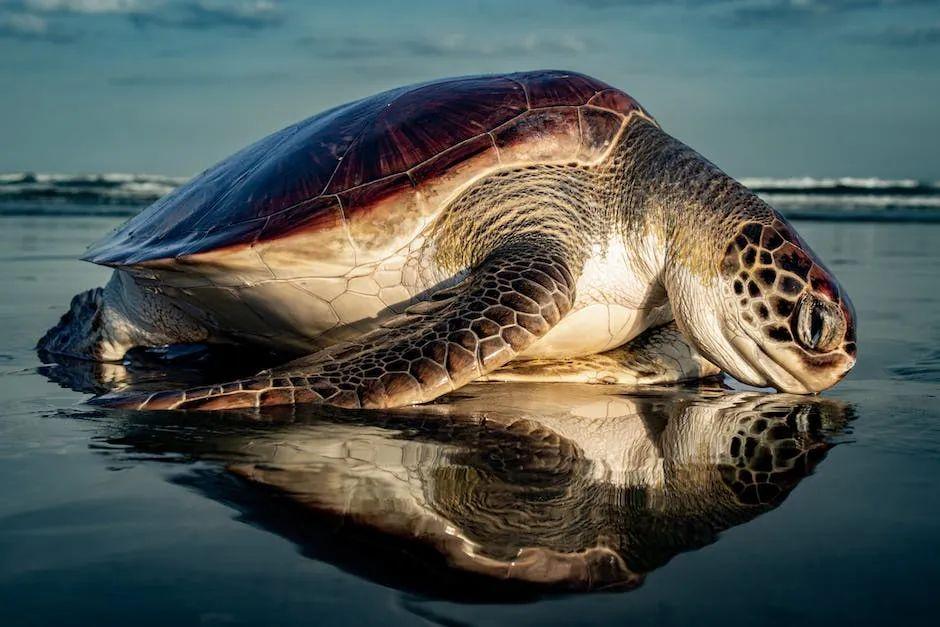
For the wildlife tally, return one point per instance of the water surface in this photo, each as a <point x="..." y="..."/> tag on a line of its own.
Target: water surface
<point x="502" y="503"/>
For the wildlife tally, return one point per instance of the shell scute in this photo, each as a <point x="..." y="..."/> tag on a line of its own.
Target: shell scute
<point x="425" y="122"/>
<point x="599" y="128"/>
<point x="615" y="100"/>
<point x="382" y="216"/>
<point x="442" y="164"/>
<point x="440" y="177"/>
<point x="323" y="212"/>
<point x="539" y="135"/>
<point x="551" y="88"/>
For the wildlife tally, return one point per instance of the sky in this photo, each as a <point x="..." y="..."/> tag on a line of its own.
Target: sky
<point x="760" y="87"/>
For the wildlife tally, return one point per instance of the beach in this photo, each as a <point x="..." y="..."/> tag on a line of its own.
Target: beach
<point x="140" y="519"/>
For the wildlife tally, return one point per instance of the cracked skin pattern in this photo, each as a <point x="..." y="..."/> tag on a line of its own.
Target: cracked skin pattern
<point x="437" y="200"/>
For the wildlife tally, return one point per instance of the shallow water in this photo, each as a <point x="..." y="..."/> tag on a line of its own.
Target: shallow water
<point x="312" y="516"/>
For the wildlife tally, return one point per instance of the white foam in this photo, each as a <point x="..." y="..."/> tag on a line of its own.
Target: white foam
<point x="808" y="182"/>
<point x="782" y="200"/>
<point x="105" y="187"/>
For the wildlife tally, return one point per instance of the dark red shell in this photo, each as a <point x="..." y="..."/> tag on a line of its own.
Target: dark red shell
<point x="291" y="179"/>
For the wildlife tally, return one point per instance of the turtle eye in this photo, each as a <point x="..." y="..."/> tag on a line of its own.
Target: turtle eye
<point x="819" y="324"/>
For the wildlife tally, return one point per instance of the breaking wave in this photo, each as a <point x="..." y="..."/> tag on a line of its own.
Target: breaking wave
<point x="855" y="199"/>
<point x="847" y="184"/>
<point x="112" y="193"/>
<point x="847" y="198"/>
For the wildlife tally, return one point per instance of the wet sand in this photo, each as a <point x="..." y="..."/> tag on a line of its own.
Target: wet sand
<point x="117" y="518"/>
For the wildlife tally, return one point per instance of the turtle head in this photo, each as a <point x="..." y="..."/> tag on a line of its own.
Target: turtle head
<point x="769" y="312"/>
<point x="744" y="288"/>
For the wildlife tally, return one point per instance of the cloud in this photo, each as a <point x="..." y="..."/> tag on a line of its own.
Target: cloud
<point x="196" y="80"/>
<point x="48" y="19"/>
<point x="208" y="14"/>
<point x="82" y="6"/>
<point x="779" y="14"/>
<point x="23" y="25"/>
<point x="690" y="4"/>
<point x="762" y="12"/>
<point x="29" y="27"/>
<point x="903" y="36"/>
<point x="452" y="46"/>
<point x="782" y="12"/>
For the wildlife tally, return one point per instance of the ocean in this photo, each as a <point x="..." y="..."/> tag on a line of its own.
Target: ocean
<point x="501" y="504"/>
<point x="846" y="198"/>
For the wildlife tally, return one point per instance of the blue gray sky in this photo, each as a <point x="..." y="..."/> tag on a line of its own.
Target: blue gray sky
<point x="761" y="87"/>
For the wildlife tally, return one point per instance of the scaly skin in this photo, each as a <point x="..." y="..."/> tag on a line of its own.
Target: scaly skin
<point x="518" y="293"/>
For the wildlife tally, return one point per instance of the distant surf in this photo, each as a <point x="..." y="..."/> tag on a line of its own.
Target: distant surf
<point x="854" y="199"/>
<point x="111" y="193"/>
<point x="807" y="198"/>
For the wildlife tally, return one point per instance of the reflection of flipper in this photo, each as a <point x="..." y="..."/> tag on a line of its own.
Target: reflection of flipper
<point x="463" y="471"/>
<point x="367" y="498"/>
<point x="657" y="356"/>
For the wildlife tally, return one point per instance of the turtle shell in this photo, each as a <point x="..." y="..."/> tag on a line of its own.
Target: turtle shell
<point x="376" y="168"/>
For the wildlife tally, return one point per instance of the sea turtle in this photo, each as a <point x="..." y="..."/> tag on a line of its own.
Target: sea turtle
<point x="413" y="241"/>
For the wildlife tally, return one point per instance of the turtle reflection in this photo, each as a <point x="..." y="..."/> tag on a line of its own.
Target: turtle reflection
<point x="571" y="487"/>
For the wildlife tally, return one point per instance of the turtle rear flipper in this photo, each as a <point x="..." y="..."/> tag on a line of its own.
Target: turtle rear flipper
<point x="512" y="298"/>
<point x="104" y="323"/>
<point x="660" y="355"/>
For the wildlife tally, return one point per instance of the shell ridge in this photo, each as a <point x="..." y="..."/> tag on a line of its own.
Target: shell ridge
<point x="525" y="92"/>
<point x="581" y="128"/>
<point x="499" y="155"/>
<point x="352" y="244"/>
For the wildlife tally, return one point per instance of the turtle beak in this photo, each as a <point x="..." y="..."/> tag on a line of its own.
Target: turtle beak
<point x="770" y="373"/>
<point x="735" y="353"/>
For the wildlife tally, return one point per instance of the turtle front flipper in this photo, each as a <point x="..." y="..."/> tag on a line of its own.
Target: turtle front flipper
<point x="660" y="355"/>
<point x="512" y="298"/>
